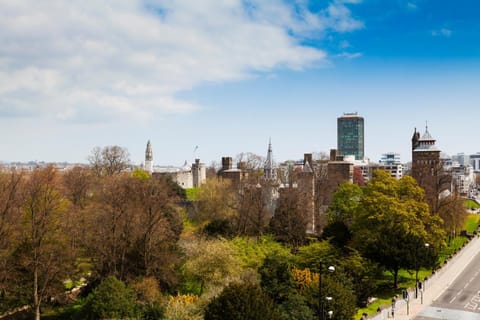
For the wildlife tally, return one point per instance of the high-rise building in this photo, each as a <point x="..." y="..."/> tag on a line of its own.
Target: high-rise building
<point x="350" y="135"/>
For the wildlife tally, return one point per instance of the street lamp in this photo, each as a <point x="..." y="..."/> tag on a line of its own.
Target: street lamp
<point x="427" y="245"/>
<point x="320" y="301"/>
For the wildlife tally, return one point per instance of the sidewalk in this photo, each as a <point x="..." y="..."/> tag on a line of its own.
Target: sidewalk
<point x="434" y="286"/>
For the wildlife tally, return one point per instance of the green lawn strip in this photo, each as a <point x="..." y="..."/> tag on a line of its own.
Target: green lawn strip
<point x="191" y="194"/>
<point x="471" y="224"/>
<point x="63" y="312"/>
<point x="455" y="244"/>
<point x="406" y="279"/>
<point x="469" y="204"/>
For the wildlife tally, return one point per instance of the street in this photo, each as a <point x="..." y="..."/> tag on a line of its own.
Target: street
<point x="462" y="298"/>
<point x="452" y="293"/>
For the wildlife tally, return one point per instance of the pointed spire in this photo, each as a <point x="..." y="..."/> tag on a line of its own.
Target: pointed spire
<point x="269" y="169"/>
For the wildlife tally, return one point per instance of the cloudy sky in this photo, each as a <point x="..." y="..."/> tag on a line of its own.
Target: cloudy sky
<point x="227" y="75"/>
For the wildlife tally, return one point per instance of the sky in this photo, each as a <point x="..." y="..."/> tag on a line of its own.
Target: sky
<point x="209" y="78"/>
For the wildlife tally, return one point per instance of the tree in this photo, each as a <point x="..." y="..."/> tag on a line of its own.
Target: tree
<point x="77" y="186"/>
<point x="42" y="250"/>
<point x="342" y="302"/>
<point x="211" y="263"/>
<point x="344" y="203"/>
<point x="289" y="224"/>
<point x="112" y="299"/>
<point x="10" y="211"/>
<point x="135" y="229"/>
<point x="109" y="160"/>
<point x="241" y="301"/>
<point x="216" y="200"/>
<point x="253" y="213"/>
<point x="157" y="229"/>
<point x="390" y="214"/>
<point x="276" y="278"/>
<point x="453" y="213"/>
<point x="251" y="161"/>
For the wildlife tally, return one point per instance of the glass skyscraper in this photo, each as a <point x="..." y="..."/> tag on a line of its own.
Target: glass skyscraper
<point x="350" y="135"/>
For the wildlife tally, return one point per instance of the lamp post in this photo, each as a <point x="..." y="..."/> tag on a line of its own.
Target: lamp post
<point x="320" y="300"/>
<point x="427" y="245"/>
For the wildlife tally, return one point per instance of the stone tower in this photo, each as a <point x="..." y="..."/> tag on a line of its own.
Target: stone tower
<point x="199" y="173"/>
<point x="148" y="158"/>
<point x="426" y="166"/>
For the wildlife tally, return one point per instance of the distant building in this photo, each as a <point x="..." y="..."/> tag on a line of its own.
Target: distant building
<point x="475" y="162"/>
<point x="235" y="175"/>
<point x="463" y="178"/>
<point x="391" y="163"/>
<point x="350" y="135"/>
<point x="185" y="176"/>
<point x="462" y="159"/>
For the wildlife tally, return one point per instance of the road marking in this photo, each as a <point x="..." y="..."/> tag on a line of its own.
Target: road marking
<point x="473" y="304"/>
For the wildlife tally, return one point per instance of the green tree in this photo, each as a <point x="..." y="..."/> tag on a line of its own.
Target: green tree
<point x="216" y="201"/>
<point x="240" y="301"/>
<point x="112" y="299"/>
<point x="390" y="214"/>
<point x="344" y="204"/>
<point x="276" y="278"/>
<point x="211" y="263"/>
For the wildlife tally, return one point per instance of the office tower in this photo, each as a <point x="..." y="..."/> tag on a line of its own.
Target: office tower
<point x="350" y="135"/>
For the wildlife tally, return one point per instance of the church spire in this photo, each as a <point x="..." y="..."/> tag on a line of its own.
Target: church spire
<point x="269" y="169"/>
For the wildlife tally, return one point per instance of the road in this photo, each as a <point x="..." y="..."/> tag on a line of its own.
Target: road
<point x="452" y="293"/>
<point x="461" y="300"/>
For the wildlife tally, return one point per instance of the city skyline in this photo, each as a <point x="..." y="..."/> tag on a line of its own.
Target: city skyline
<point x="228" y="76"/>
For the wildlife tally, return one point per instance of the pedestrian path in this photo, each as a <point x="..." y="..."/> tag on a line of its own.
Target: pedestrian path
<point x="433" y="287"/>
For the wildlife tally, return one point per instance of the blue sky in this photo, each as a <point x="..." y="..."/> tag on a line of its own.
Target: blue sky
<point x="227" y="76"/>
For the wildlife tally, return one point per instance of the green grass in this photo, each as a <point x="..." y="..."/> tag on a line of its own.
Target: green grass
<point x="191" y="194"/>
<point x="471" y="224"/>
<point x="469" y="204"/>
<point x="385" y="293"/>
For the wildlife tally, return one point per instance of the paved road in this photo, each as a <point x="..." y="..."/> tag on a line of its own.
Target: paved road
<point x="452" y="293"/>
<point x="462" y="298"/>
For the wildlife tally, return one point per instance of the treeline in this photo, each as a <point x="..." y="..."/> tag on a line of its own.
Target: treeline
<point x="230" y="253"/>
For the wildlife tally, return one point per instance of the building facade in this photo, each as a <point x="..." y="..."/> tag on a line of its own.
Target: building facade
<point x="427" y="168"/>
<point x="351" y="135"/>
<point x="475" y="162"/>
<point x="185" y="176"/>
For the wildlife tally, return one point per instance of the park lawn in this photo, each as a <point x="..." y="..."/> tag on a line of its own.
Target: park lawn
<point x="191" y="194"/>
<point x="406" y="279"/>
<point x="471" y="224"/>
<point x="469" y="204"/>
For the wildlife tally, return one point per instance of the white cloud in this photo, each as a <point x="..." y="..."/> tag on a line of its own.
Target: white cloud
<point x="443" y="32"/>
<point x="350" y="55"/>
<point x="80" y="59"/>
<point x="411" y="6"/>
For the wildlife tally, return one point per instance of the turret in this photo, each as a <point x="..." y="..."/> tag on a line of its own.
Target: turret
<point x="148" y="158"/>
